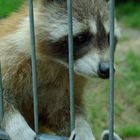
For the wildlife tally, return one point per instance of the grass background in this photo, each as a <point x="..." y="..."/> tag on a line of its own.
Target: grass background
<point x="127" y="83"/>
<point x="127" y="98"/>
<point x="129" y="13"/>
<point x="8" y="6"/>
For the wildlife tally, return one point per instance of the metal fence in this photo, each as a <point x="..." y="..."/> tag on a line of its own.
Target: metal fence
<point x="4" y="136"/>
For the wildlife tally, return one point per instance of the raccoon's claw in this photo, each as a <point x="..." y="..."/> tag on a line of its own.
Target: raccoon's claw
<point x="105" y="136"/>
<point x="73" y="135"/>
<point x="80" y="136"/>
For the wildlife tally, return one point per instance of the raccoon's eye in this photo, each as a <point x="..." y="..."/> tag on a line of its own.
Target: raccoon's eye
<point x="82" y="39"/>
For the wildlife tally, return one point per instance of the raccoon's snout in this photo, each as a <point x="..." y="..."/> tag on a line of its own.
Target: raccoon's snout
<point x="103" y="71"/>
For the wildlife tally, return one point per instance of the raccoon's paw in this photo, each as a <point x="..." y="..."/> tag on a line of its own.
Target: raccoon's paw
<point x="16" y="127"/>
<point x="105" y="136"/>
<point x="81" y="135"/>
<point x="27" y="134"/>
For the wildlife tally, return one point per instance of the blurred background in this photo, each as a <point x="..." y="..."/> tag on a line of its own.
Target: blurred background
<point x="127" y="78"/>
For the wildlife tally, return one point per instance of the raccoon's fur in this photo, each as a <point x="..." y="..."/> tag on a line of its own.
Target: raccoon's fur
<point x="91" y="33"/>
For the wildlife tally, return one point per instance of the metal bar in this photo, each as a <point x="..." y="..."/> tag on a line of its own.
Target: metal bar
<point x="112" y="46"/>
<point x="49" y="137"/>
<point x="1" y="97"/>
<point x="3" y="135"/>
<point x="34" y="73"/>
<point x="71" y="64"/>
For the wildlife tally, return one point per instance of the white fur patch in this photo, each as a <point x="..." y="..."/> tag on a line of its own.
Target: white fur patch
<point x="93" y="26"/>
<point x="59" y="29"/>
<point x="82" y="130"/>
<point x="17" y="128"/>
<point x="117" y="30"/>
<point x="87" y="65"/>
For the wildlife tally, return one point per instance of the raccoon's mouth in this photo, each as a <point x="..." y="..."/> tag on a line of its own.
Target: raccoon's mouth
<point x="93" y="74"/>
<point x="103" y="76"/>
<point x="86" y="74"/>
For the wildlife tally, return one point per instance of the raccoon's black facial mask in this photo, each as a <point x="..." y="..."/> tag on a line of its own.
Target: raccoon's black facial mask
<point x="80" y="42"/>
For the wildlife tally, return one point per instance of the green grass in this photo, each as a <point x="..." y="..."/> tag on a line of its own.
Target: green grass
<point x="129" y="14"/>
<point x="8" y="6"/>
<point x="130" y="131"/>
<point x="127" y="99"/>
<point x="133" y="65"/>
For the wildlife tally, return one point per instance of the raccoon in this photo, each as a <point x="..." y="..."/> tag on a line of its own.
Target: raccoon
<point x="91" y="59"/>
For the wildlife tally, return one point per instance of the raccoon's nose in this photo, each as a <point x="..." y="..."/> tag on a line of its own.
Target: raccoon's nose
<point x="103" y="71"/>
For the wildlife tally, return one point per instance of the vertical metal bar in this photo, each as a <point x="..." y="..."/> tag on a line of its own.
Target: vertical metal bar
<point x="112" y="45"/>
<point x="71" y="64"/>
<point x="1" y="97"/>
<point x="34" y="73"/>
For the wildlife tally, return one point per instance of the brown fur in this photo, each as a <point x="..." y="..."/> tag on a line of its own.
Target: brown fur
<point x="53" y="85"/>
<point x="10" y="24"/>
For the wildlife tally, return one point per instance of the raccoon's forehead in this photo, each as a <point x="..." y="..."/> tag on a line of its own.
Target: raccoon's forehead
<point x="59" y="29"/>
<point x="86" y="15"/>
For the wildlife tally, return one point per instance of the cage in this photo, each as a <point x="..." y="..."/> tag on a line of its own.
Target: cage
<point x="4" y="136"/>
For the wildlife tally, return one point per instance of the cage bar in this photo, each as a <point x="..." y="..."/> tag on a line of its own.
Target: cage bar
<point x="112" y="48"/>
<point x="71" y="77"/>
<point x="71" y="65"/>
<point x="1" y="97"/>
<point x="49" y="137"/>
<point x="34" y="72"/>
<point x="3" y="134"/>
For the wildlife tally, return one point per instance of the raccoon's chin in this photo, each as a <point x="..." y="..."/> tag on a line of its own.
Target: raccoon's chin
<point x="93" y="75"/>
<point x="86" y="72"/>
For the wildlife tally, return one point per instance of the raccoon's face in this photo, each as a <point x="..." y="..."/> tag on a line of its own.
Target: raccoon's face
<point x="90" y="35"/>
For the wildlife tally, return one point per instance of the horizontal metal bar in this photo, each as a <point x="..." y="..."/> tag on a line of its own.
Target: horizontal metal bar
<point x="50" y="137"/>
<point x="3" y="135"/>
